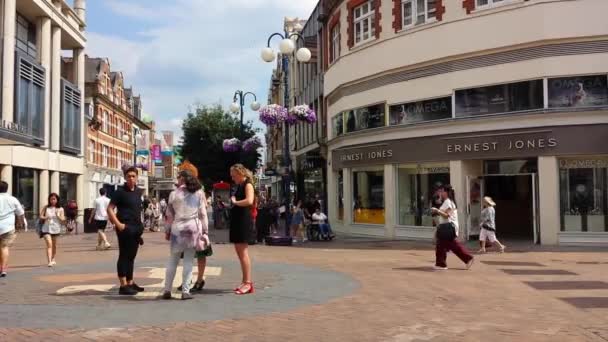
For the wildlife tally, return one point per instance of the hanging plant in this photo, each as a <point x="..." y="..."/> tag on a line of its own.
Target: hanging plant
<point x="252" y="143"/>
<point x="291" y="119"/>
<point x="304" y="113"/>
<point x="273" y="114"/>
<point x="232" y="145"/>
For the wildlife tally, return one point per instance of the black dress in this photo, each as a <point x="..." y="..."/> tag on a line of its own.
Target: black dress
<point x="240" y="218"/>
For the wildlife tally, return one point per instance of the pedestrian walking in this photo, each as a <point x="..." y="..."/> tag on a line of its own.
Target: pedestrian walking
<point x="127" y="201"/>
<point x="488" y="225"/>
<point x="12" y="216"/>
<point x="99" y="218"/>
<point x="187" y="227"/>
<point x="447" y="231"/>
<point x="53" y="217"/>
<point x="297" y="222"/>
<point x="240" y="223"/>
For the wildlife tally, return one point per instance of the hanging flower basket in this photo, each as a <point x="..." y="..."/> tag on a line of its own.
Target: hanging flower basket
<point x="273" y="114"/>
<point x="304" y="113"/>
<point x="252" y="143"/>
<point x="232" y="145"/>
<point x="291" y="119"/>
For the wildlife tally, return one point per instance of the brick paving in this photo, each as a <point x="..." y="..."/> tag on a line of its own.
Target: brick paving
<point x="398" y="297"/>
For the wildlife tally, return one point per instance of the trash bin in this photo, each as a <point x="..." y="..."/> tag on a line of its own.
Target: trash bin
<point x="88" y="227"/>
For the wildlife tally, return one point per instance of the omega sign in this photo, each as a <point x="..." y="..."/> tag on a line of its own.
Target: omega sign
<point x="510" y="145"/>
<point x="371" y="155"/>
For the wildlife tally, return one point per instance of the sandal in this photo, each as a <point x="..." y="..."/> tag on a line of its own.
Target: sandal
<point x="245" y="288"/>
<point x="198" y="287"/>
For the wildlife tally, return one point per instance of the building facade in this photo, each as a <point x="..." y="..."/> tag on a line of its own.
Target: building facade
<point x="424" y="93"/>
<point x="42" y="130"/>
<point x="110" y="127"/>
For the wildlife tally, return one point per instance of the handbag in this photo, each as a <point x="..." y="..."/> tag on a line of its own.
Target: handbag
<point x="446" y="231"/>
<point x="487" y="227"/>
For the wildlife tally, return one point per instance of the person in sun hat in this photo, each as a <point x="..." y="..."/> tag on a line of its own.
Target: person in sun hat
<point x="488" y="225"/>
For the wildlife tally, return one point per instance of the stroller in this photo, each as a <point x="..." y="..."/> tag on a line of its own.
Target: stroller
<point x="71" y="213"/>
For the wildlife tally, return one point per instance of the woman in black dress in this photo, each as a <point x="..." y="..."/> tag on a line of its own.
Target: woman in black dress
<point x="240" y="223"/>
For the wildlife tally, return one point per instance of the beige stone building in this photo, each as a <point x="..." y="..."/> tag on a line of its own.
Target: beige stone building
<point x="501" y="98"/>
<point x="42" y="128"/>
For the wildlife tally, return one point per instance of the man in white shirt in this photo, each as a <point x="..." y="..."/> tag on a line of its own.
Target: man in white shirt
<point x="99" y="216"/>
<point x="11" y="215"/>
<point x="320" y="219"/>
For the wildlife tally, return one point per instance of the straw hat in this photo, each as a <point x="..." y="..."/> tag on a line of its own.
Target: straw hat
<point x="488" y="200"/>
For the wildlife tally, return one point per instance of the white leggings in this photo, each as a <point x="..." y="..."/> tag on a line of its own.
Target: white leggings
<point x="186" y="273"/>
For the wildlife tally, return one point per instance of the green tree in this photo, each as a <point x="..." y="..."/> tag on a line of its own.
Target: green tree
<point x="205" y="129"/>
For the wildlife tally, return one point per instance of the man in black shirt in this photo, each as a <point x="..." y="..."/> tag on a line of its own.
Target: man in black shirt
<point x="129" y="228"/>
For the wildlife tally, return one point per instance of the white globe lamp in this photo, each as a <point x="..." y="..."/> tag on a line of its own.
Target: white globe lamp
<point x="234" y="107"/>
<point x="303" y="55"/>
<point x="287" y="46"/>
<point x="268" y="55"/>
<point x="255" y="106"/>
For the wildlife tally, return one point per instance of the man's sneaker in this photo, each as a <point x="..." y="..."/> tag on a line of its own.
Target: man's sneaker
<point x="3" y="274"/>
<point x="439" y="268"/>
<point x="107" y="246"/>
<point x="137" y="287"/>
<point x="470" y="263"/>
<point x="127" y="291"/>
<point x="186" y="296"/>
<point x="167" y="295"/>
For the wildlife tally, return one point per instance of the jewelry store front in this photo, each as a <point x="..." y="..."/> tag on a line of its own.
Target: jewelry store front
<point x="550" y="186"/>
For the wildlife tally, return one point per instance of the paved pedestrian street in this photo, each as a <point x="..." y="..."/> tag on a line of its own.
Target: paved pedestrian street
<point x="350" y="289"/>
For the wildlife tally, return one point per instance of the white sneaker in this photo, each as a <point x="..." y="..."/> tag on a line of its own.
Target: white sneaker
<point x="52" y="263"/>
<point x="470" y="263"/>
<point x="439" y="268"/>
<point x="107" y="246"/>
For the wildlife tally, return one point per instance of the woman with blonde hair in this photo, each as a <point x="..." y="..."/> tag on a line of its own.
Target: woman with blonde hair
<point x="240" y="223"/>
<point x="488" y="225"/>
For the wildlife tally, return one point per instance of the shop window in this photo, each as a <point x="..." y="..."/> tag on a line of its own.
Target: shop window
<point x="417" y="188"/>
<point x="584" y="195"/>
<point x="580" y="91"/>
<point x="413" y="112"/>
<point x="338" y="125"/>
<point x="365" y="118"/>
<point x="340" y="197"/>
<point x="70" y="117"/>
<point x="25" y="189"/>
<point x="67" y="187"/>
<point x="503" y="98"/>
<point x="368" y="197"/>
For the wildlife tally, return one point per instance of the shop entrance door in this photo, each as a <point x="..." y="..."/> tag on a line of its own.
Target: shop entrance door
<point x="516" y="205"/>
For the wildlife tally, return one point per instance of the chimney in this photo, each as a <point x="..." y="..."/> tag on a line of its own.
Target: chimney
<point x="80" y="8"/>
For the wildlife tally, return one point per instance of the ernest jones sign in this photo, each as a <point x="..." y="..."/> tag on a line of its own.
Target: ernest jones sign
<point x="557" y="140"/>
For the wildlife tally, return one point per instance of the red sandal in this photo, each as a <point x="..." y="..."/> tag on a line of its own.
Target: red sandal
<point x="249" y="289"/>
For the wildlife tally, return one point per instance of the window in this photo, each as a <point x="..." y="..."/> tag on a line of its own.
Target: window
<point x="340" y="197"/>
<point x="368" y="197"/>
<point x="334" y="51"/>
<point x="26" y="37"/>
<point x="417" y="189"/>
<point x="580" y="91"/>
<point x="584" y="194"/>
<point x="67" y="187"/>
<point x="70" y="117"/>
<point x="365" y="118"/>
<point x="92" y="151"/>
<point x="338" y="125"/>
<point x="364" y="17"/>
<point x="120" y="159"/>
<point x="417" y="12"/>
<point x="106" y="121"/>
<point x="104" y="156"/>
<point x="29" y="86"/>
<point x="413" y="112"/>
<point x="489" y="3"/>
<point x="503" y="98"/>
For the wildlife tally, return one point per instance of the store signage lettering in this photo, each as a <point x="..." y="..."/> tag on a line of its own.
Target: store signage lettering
<point x="511" y="145"/>
<point x="372" y="155"/>
<point x="583" y="163"/>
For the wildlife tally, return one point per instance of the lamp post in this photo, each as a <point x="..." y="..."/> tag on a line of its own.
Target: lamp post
<point x="286" y="48"/>
<point x="238" y="104"/>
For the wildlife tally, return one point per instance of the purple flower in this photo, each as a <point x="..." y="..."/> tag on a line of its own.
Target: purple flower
<point x="232" y="145"/>
<point x="252" y="143"/>
<point x="273" y="114"/>
<point x="303" y="113"/>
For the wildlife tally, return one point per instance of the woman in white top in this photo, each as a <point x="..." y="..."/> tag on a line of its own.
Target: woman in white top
<point x="53" y="217"/>
<point x="447" y="231"/>
<point x="487" y="227"/>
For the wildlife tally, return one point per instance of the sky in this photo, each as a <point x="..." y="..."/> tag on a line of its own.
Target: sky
<point x="179" y="52"/>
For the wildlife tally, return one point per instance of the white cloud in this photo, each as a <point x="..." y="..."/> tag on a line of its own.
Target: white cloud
<point x="197" y="51"/>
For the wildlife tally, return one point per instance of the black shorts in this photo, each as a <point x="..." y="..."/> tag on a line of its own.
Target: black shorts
<point x="100" y="225"/>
